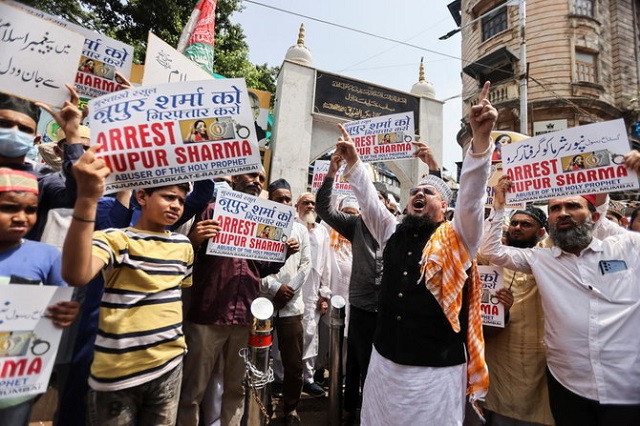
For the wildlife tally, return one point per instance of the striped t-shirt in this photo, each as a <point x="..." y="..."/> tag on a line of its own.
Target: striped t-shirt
<point x="140" y="326"/>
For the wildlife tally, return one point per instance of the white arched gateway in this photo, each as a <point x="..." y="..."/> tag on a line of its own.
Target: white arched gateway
<point x="310" y="103"/>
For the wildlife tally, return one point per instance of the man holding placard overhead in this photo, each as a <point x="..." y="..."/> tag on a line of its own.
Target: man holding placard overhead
<point x="590" y="291"/>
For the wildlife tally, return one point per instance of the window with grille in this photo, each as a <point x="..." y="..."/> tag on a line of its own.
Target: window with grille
<point x="583" y="7"/>
<point x="494" y="23"/>
<point x="586" y="67"/>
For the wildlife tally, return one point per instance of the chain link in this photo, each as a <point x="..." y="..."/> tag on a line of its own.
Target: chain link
<point x="255" y="379"/>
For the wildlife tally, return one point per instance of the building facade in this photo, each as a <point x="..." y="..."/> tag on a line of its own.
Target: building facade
<point x="581" y="61"/>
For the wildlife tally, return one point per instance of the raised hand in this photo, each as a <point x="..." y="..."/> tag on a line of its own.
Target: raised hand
<point x="424" y="153"/>
<point x="334" y="165"/>
<point x="483" y="116"/>
<point x="345" y="147"/>
<point x="69" y="117"/>
<point x="90" y="173"/>
<point x="501" y="188"/>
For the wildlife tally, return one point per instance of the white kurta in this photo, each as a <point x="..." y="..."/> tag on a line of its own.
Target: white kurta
<point x="316" y="286"/>
<point x="396" y="394"/>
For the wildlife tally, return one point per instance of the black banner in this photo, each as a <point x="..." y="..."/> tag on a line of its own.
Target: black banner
<point x="354" y="100"/>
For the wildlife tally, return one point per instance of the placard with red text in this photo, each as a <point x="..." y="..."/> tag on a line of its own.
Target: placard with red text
<point x="383" y="138"/>
<point x="492" y="309"/>
<point x="173" y="133"/>
<point x="252" y="227"/>
<point x="580" y="160"/>
<point x="28" y="340"/>
<point x="340" y="185"/>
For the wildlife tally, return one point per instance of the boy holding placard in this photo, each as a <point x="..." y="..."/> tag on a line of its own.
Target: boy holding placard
<point x="26" y="262"/>
<point x="137" y="366"/>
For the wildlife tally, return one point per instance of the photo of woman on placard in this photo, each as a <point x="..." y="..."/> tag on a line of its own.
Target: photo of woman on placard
<point x="198" y="132"/>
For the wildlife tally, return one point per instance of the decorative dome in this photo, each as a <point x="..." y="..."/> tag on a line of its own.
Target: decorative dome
<point x="423" y="87"/>
<point x="299" y="52"/>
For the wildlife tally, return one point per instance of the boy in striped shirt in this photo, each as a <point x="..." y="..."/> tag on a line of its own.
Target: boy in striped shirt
<point x="137" y="368"/>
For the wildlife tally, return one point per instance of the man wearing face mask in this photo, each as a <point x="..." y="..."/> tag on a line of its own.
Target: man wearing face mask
<point x="18" y="124"/>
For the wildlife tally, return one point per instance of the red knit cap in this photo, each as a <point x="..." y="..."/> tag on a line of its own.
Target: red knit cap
<point x="590" y="198"/>
<point x="18" y="181"/>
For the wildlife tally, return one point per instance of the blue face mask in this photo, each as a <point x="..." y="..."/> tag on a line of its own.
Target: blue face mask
<point x="14" y="143"/>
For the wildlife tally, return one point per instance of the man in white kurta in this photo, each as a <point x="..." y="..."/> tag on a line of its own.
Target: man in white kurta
<point x="315" y="291"/>
<point x="418" y="369"/>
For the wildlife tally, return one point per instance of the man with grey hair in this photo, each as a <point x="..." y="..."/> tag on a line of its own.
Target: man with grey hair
<point x="591" y="302"/>
<point x="428" y="347"/>
<point x="315" y="291"/>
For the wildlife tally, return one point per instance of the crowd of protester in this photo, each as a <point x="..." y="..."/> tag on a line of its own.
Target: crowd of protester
<point x="158" y="323"/>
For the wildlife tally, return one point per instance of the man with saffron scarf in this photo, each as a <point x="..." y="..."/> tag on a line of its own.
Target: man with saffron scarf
<point x="428" y="345"/>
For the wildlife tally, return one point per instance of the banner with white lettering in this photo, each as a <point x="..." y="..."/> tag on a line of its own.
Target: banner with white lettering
<point x="383" y="138"/>
<point x="38" y="57"/>
<point x="173" y="133"/>
<point x="340" y="185"/>
<point x="96" y="67"/>
<point x="492" y="309"/>
<point x="575" y="161"/>
<point x="252" y="227"/>
<point x="28" y="340"/>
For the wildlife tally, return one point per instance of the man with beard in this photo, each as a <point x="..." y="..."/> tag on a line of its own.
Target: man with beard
<point x="591" y="300"/>
<point x="516" y="353"/>
<point x="364" y="284"/>
<point x="289" y="306"/>
<point x="315" y="291"/>
<point x="218" y="319"/>
<point x="428" y="344"/>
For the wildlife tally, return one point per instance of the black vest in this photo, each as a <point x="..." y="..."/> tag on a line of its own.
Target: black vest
<point x="411" y="328"/>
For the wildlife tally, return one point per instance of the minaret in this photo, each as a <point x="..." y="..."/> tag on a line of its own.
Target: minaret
<point x="299" y="52"/>
<point x="423" y="87"/>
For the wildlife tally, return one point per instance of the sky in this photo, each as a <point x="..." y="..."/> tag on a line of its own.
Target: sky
<point x="269" y="33"/>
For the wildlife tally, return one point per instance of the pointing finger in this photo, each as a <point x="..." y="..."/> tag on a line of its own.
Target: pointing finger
<point x="485" y="90"/>
<point x="74" y="95"/>
<point x="345" y="134"/>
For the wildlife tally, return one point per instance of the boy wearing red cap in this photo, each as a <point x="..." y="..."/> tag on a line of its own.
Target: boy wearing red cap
<point x="26" y="262"/>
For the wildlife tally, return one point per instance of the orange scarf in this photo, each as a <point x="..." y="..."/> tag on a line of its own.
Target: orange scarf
<point x="443" y="267"/>
<point x="337" y="241"/>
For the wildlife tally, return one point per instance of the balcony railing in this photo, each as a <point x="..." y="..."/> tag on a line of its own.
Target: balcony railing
<point x="502" y="92"/>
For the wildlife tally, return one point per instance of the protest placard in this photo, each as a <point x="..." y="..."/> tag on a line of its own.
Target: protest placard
<point x="383" y="138"/>
<point x="575" y="161"/>
<point x="38" y="57"/>
<point x="501" y="137"/>
<point x="96" y="67"/>
<point x="164" y="64"/>
<point x="492" y="310"/>
<point x="340" y="185"/>
<point x="172" y="133"/>
<point x="28" y="340"/>
<point x="252" y="227"/>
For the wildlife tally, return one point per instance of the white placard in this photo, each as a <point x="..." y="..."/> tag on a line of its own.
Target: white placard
<point x="492" y="310"/>
<point x="252" y="227"/>
<point x="580" y="160"/>
<point x="101" y="57"/>
<point x="173" y="133"/>
<point x="383" y="138"/>
<point x="38" y="57"/>
<point x="28" y="340"/>
<point x="340" y="185"/>
<point x="164" y="64"/>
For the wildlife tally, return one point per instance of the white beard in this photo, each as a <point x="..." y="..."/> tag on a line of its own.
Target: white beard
<point x="309" y="218"/>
